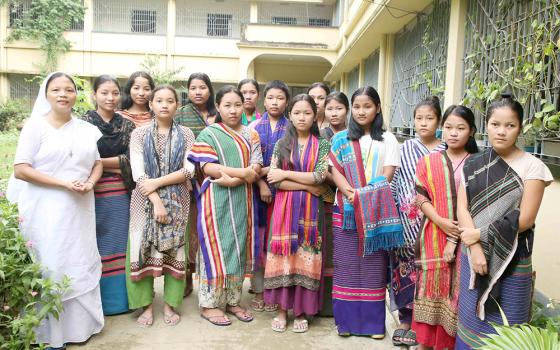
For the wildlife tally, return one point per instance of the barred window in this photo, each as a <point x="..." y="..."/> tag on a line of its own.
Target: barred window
<point x="17" y="11"/>
<point x="218" y="24"/>
<point x="319" y="22"/>
<point x="284" y="20"/>
<point x="143" y="21"/>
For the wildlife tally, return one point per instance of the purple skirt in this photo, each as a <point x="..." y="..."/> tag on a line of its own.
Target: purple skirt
<point x="299" y="299"/>
<point x="359" y="285"/>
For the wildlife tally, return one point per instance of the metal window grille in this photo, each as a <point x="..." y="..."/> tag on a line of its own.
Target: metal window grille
<point x="209" y="18"/>
<point x="371" y="74"/>
<point x="353" y="81"/>
<point x="498" y="39"/>
<point x="17" y="11"/>
<point x="140" y="16"/>
<point x="284" y="20"/>
<point x="143" y="21"/>
<point x="305" y="14"/>
<point x="320" y="22"/>
<point x="419" y="64"/>
<point x="219" y="24"/>
<point x="23" y="87"/>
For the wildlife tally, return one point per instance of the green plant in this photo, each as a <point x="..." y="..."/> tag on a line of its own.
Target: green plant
<point x="546" y="316"/>
<point x="505" y="54"/>
<point x="45" y="22"/>
<point x="26" y="297"/>
<point x="12" y="113"/>
<point x="521" y="337"/>
<point x="83" y="98"/>
<point x="151" y="64"/>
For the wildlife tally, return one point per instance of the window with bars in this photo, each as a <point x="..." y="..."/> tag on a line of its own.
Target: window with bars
<point x="284" y="20"/>
<point x="319" y="22"/>
<point x="17" y="11"/>
<point x="218" y="24"/>
<point x="143" y="21"/>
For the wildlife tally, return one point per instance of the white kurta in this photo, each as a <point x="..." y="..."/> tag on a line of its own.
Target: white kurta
<point x="61" y="224"/>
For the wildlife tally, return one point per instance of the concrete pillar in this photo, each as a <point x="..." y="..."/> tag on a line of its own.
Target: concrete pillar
<point x="385" y="79"/>
<point x="88" y="29"/>
<point x="455" y="53"/>
<point x="362" y="73"/>
<point x="344" y="83"/>
<point x="4" y="84"/>
<point x="170" y="35"/>
<point x="254" y="12"/>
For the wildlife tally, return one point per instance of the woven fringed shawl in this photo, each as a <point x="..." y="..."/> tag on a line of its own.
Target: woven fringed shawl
<point x="295" y="218"/>
<point x="373" y="214"/>
<point x="226" y="215"/>
<point x="494" y="192"/>
<point x="165" y="238"/>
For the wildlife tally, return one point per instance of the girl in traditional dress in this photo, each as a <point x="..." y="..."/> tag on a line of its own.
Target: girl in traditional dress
<point x="159" y="209"/>
<point x="319" y="92"/>
<point x="135" y="104"/>
<point x="229" y="156"/>
<point x="438" y="176"/>
<point x="112" y="198"/>
<point x="271" y="128"/>
<point x="427" y="116"/>
<point x="364" y="159"/>
<point x="196" y="114"/>
<point x="336" y="111"/>
<point x="250" y="90"/>
<point x="293" y="267"/>
<point x="58" y="161"/>
<point x="497" y="207"/>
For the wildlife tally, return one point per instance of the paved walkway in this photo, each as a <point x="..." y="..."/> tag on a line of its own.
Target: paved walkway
<point x="122" y="333"/>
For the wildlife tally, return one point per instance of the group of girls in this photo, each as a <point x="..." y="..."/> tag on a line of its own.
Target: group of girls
<point x="316" y="206"/>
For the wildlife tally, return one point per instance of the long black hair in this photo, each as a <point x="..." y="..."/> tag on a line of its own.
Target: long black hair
<point x="355" y="131"/>
<point x="248" y="81"/>
<point x="102" y="79"/>
<point x="467" y="114"/>
<point x="221" y="93"/>
<point x="210" y="106"/>
<point x="507" y="100"/>
<point x="319" y="85"/>
<point x="289" y="140"/>
<point x="433" y="103"/>
<point x="127" y="100"/>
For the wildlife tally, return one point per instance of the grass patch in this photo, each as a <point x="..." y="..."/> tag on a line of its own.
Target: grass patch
<point x="8" y="143"/>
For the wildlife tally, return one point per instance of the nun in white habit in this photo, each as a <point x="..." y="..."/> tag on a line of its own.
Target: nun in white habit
<point x="56" y="166"/>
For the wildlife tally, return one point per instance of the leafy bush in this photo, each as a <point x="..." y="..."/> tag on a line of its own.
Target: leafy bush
<point x="83" y="99"/>
<point x="26" y="297"/>
<point x="12" y="113"/>
<point x="521" y="337"/>
<point x="546" y="316"/>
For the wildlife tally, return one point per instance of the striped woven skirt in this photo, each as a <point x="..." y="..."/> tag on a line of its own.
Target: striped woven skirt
<point x="515" y="301"/>
<point x="359" y="284"/>
<point x="112" y="212"/>
<point x="327" y="273"/>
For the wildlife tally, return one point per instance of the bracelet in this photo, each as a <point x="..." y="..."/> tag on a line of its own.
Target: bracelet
<point x="449" y="239"/>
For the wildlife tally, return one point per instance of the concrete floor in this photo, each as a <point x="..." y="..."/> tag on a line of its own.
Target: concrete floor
<point x="121" y="332"/>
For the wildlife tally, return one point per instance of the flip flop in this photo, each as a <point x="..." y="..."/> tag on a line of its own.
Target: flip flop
<point x="400" y="335"/>
<point x="216" y="323"/>
<point x="278" y="325"/>
<point x="145" y="321"/>
<point x="303" y="323"/>
<point x="378" y="336"/>
<point x="270" y="307"/>
<point x="168" y="318"/>
<point x="257" y="305"/>
<point x="241" y="315"/>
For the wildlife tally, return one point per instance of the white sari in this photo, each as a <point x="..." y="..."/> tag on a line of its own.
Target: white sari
<point x="61" y="224"/>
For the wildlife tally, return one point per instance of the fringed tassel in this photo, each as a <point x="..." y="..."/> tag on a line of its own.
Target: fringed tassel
<point x="349" y="219"/>
<point x="386" y="240"/>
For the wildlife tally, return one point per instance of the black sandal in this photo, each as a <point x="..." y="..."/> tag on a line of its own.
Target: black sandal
<point x="400" y="335"/>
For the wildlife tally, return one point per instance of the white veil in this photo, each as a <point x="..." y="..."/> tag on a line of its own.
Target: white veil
<point x="40" y="109"/>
